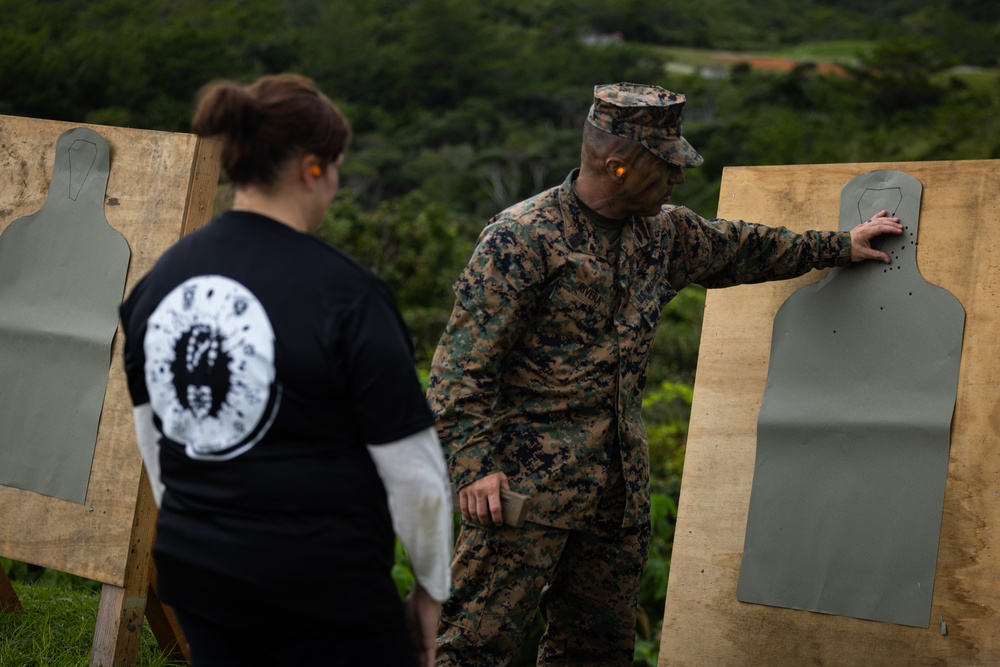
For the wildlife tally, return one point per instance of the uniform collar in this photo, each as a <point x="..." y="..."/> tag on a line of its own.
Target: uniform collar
<point x="580" y="233"/>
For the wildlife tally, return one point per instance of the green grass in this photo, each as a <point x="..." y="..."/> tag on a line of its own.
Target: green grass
<point x="979" y="80"/>
<point x="840" y="51"/>
<point x="56" y="629"/>
<point x="834" y="52"/>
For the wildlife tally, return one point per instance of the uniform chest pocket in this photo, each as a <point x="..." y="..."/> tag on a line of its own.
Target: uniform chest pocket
<point x="574" y="312"/>
<point x="650" y="299"/>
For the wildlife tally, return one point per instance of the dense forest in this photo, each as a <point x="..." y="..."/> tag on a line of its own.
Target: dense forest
<point x="461" y="108"/>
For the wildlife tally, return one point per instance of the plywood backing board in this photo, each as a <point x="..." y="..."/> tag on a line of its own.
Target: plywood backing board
<point x="161" y="185"/>
<point x="959" y="247"/>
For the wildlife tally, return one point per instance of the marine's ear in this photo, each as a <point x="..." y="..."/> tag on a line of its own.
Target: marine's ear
<point x="616" y="168"/>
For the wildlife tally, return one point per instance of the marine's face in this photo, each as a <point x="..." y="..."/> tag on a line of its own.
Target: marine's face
<point x="647" y="184"/>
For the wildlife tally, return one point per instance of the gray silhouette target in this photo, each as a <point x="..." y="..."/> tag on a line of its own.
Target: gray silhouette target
<point x="62" y="276"/>
<point x="853" y="435"/>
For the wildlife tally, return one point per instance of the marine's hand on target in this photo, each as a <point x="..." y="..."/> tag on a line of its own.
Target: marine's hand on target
<point x="862" y="235"/>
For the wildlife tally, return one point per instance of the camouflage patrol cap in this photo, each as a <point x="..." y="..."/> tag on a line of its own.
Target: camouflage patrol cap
<point x="648" y="114"/>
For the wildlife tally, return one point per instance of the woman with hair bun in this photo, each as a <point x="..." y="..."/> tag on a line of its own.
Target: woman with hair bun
<point x="280" y="419"/>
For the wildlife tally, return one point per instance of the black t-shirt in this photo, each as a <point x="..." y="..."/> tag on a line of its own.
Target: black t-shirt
<point x="270" y="359"/>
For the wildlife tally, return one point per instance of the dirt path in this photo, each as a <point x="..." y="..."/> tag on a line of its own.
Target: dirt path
<point x="777" y="64"/>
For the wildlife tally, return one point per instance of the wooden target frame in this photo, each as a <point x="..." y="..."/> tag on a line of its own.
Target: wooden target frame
<point x="161" y="186"/>
<point x="959" y="242"/>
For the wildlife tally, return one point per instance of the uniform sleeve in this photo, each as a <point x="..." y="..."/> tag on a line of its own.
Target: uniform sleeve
<point x="721" y="253"/>
<point x="416" y="481"/>
<point x="496" y="296"/>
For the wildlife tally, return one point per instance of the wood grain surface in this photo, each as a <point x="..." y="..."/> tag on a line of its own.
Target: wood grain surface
<point x="959" y="250"/>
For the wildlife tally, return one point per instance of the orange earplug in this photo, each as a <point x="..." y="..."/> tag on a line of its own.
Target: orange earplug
<point x="315" y="170"/>
<point x="619" y="171"/>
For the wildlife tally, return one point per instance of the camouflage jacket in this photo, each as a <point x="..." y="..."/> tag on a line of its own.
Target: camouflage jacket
<point x="544" y="359"/>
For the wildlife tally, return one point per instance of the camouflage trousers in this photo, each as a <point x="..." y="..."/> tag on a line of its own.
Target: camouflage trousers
<point x="586" y="584"/>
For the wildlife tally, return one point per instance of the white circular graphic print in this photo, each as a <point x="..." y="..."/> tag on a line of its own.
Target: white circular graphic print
<point x="209" y="369"/>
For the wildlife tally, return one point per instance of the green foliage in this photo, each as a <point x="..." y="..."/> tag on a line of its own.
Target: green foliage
<point x="653" y="587"/>
<point x="402" y="571"/>
<point x="666" y="409"/>
<point x="479" y="105"/>
<point x="667" y="442"/>
<point x="131" y="62"/>
<point x="415" y="247"/>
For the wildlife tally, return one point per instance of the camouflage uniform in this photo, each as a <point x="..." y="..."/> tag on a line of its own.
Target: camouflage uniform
<point x="541" y="370"/>
<point x="587" y="583"/>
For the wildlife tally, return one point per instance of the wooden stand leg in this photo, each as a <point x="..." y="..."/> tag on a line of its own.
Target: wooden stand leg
<point x="122" y="608"/>
<point x="119" y="627"/>
<point x="8" y="598"/>
<point x="164" y="624"/>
